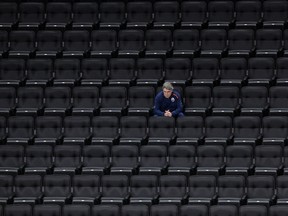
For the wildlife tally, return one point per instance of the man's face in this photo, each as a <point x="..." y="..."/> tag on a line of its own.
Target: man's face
<point x="167" y="93"/>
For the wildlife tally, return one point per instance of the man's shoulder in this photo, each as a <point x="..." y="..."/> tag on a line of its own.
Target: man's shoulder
<point x="159" y="95"/>
<point x="176" y="94"/>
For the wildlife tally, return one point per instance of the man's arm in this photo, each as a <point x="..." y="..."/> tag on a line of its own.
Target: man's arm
<point x="179" y="108"/>
<point x="157" y="110"/>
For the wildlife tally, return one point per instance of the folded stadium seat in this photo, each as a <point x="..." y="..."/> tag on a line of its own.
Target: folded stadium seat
<point x="7" y="101"/>
<point x="166" y="14"/>
<point x="112" y="15"/>
<point x="48" y="130"/>
<point x="185" y="42"/>
<point x="205" y="71"/>
<point x="57" y="101"/>
<point x="268" y="159"/>
<point x="161" y="130"/>
<point x="39" y="159"/>
<point x="86" y="189"/>
<point x="39" y="72"/>
<point x="58" y="15"/>
<point x="12" y="72"/>
<point x="139" y="14"/>
<point x="76" y="130"/>
<point x="122" y="72"/>
<point x="32" y="15"/>
<point x="115" y="189"/>
<point x="30" y="101"/>
<point x="22" y="43"/>
<point x="94" y="72"/>
<point x="278" y="100"/>
<point x="190" y="130"/>
<point x="8" y="15"/>
<point x="239" y="160"/>
<point x="221" y="14"/>
<point x="143" y="189"/>
<point x="103" y="43"/>
<point x="113" y="100"/>
<point x="133" y="130"/>
<point x="67" y="159"/>
<point x="247" y="130"/>
<point x="74" y="209"/>
<point x="213" y="42"/>
<point x="218" y="130"/>
<point x="285" y="40"/>
<point x="233" y="71"/>
<point x="178" y="71"/>
<point x="76" y="43"/>
<point x="278" y="210"/>
<point x="225" y="100"/>
<point x="231" y="190"/>
<point x="261" y="190"/>
<point x="230" y="210"/>
<point x="131" y="43"/>
<point x="96" y="159"/>
<point x="261" y="71"/>
<point x="4" y="45"/>
<point x="12" y="159"/>
<point x="281" y="71"/>
<point x="281" y="184"/>
<point x="275" y="130"/>
<point x="105" y="130"/>
<point x="158" y="43"/>
<point x="172" y="189"/>
<point x="198" y="100"/>
<point x="7" y="189"/>
<point x="150" y="71"/>
<point x="196" y="210"/>
<point x="85" y="15"/>
<point x="210" y="160"/>
<point x="85" y="100"/>
<point x="285" y="162"/>
<point x="268" y="42"/>
<point x="193" y="14"/>
<point x="164" y="209"/>
<point x="2" y="129"/>
<point x="135" y="210"/>
<point x="275" y="14"/>
<point x="49" y="44"/>
<point x="202" y="189"/>
<point x="241" y="42"/>
<point x="18" y="209"/>
<point x="28" y="189"/>
<point x="141" y="100"/>
<point x="20" y="130"/>
<point x="254" y="100"/>
<point x="153" y="159"/>
<point x="57" y="189"/>
<point x="182" y="160"/>
<point x="105" y="210"/>
<point x="67" y="72"/>
<point x="124" y="159"/>
<point x="248" y="14"/>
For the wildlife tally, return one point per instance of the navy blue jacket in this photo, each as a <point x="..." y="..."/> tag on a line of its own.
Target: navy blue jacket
<point x="173" y="104"/>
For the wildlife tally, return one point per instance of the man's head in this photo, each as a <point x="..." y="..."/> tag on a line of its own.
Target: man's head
<point x="167" y="89"/>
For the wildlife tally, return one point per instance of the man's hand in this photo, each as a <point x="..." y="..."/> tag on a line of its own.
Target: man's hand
<point x="167" y="113"/>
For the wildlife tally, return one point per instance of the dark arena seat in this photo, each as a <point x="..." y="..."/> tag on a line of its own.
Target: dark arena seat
<point x="78" y="134"/>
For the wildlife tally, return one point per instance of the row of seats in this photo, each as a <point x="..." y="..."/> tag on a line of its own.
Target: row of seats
<point x="148" y="189"/>
<point x="145" y="71"/>
<point x="149" y="159"/>
<point x="143" y="14"/>
<point x="139" y="100"/>
<point x="143" y="210"/>
<point x="155" y="42"/>
<point x="220" y="130"/>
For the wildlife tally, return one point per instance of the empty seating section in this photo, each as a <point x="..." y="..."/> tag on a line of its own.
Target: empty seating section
<point x="78" y="81"/>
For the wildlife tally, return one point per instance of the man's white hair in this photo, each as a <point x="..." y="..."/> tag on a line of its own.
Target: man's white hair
<point x="168" y="86"/>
